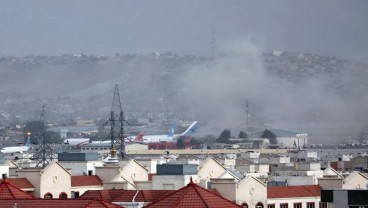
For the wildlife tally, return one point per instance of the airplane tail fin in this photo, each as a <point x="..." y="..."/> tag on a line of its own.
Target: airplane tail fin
<point x="171" y="130"/>
<point x="28" y="143"/>
<point x="139" y="137"/>
<point x="190" y="130"/>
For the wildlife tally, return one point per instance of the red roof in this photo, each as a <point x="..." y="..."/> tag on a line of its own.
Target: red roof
<point x="193" y="196"/>
<point x="293" y="191"/>
<point x="8" y="191"/>
<point x="21" y="183"/>
<point x="92" y="180"/>
<point x="121" y="195"/>
<point x="59" y="203"/>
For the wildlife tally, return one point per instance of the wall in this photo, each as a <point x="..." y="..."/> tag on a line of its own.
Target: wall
<point x="107" y="173"/>
<point x="82" y="167"/>
<point x="226" y="187"/>
<point x="55" y="180"/>
<point x="291" y="201"/>
<point x="210" y="169"/>
<point x="172" y="182"/>
<point x="33" y="176"/>
<point x="251" y="191"/>
<point x="4" y="169"/>
<point x="330" y="183"/>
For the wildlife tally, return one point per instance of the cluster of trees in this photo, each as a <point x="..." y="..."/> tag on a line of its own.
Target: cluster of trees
<point x="226" y="135"/>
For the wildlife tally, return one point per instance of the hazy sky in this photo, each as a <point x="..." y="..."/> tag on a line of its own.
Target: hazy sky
<point x="338" y="28"/>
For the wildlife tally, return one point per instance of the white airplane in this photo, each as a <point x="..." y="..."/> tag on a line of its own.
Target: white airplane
<point x="170" y="137"/>
<point x="18" y="149"/>
<point x="76" y="142"/>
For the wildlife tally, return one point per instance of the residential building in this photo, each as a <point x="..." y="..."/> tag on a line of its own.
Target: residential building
<point x="53" y="181"/>
<point x="293" y="196"/>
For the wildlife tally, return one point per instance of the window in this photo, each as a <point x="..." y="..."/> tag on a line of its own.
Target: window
<point x="285" y="205"/>
<point x="90" y="172"/>
<point x="48" y="196"/>
<point x="271" y="206"/>
<point x="75" y="194"/>
<point x="323" y="205"/>
<point x="4" y="175"/>
<point x="310" y="205"/>
<point x="259" y="205"/>
<point x="63" y="195"/>
<point x="245" y="205"/>
<point x="297" y="205"/>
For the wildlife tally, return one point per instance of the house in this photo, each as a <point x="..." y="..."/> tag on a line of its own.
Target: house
<point x="355" y="180"/>
<point x="81" y="184"/>
<point x="80" y="163"/>
<point x="334" y="180"/>
<point x="293" y="196"/>
<point x="20" y="183"/>
<point x="344" y="198"/>
<point x="174" y="176"/>
<point x="126" y="198"/>
<point x="8" y="191"/>
<point x="53" y="181"/>
<point x="248" y="192"/>
<point x="192" y="195"/>
<point x="13" y="167"/>
<point x="358" y="163"/>
<point x="11" y="196"/>
<point x="210" y="168"/>
<point x="56" y="203"/>
<point x="131" y="176"/>
<point x="331" y="179"/>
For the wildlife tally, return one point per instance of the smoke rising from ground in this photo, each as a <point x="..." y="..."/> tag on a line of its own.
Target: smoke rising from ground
<point x="217" y="93"/>
<point x="323" y="96"/>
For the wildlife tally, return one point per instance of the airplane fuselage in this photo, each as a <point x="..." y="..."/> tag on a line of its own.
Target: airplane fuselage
<point x="18" y="149"/>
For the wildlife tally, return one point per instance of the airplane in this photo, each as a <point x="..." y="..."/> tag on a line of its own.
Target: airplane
<point x="76" y="142"/>
<point x="18" y="149"/>
<point x="170" y="137"/>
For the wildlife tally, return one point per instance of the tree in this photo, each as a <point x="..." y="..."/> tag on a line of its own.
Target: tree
<point x="224" y="136"/>
<point x="269" y="135"/>
<point x="243" y="135"/>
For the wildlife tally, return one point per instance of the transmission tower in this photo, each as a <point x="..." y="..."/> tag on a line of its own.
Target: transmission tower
<point x="117" y="122"/>
<point x="43" y="152"/>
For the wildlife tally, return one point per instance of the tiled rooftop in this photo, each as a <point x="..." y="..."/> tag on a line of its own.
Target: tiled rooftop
<point x="293" y="191"/>
<point x="21" y="183"/>
<point x="8" y="191"/>
<point x="191" y="196"/>
<point x="121" y="195"/>
<point x="57" y="203"/>
<point x="86" y="181"/>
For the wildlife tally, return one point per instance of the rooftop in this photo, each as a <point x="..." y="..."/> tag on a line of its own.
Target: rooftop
<point x="193" y="195"/>
<point x="293" y="191"/>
